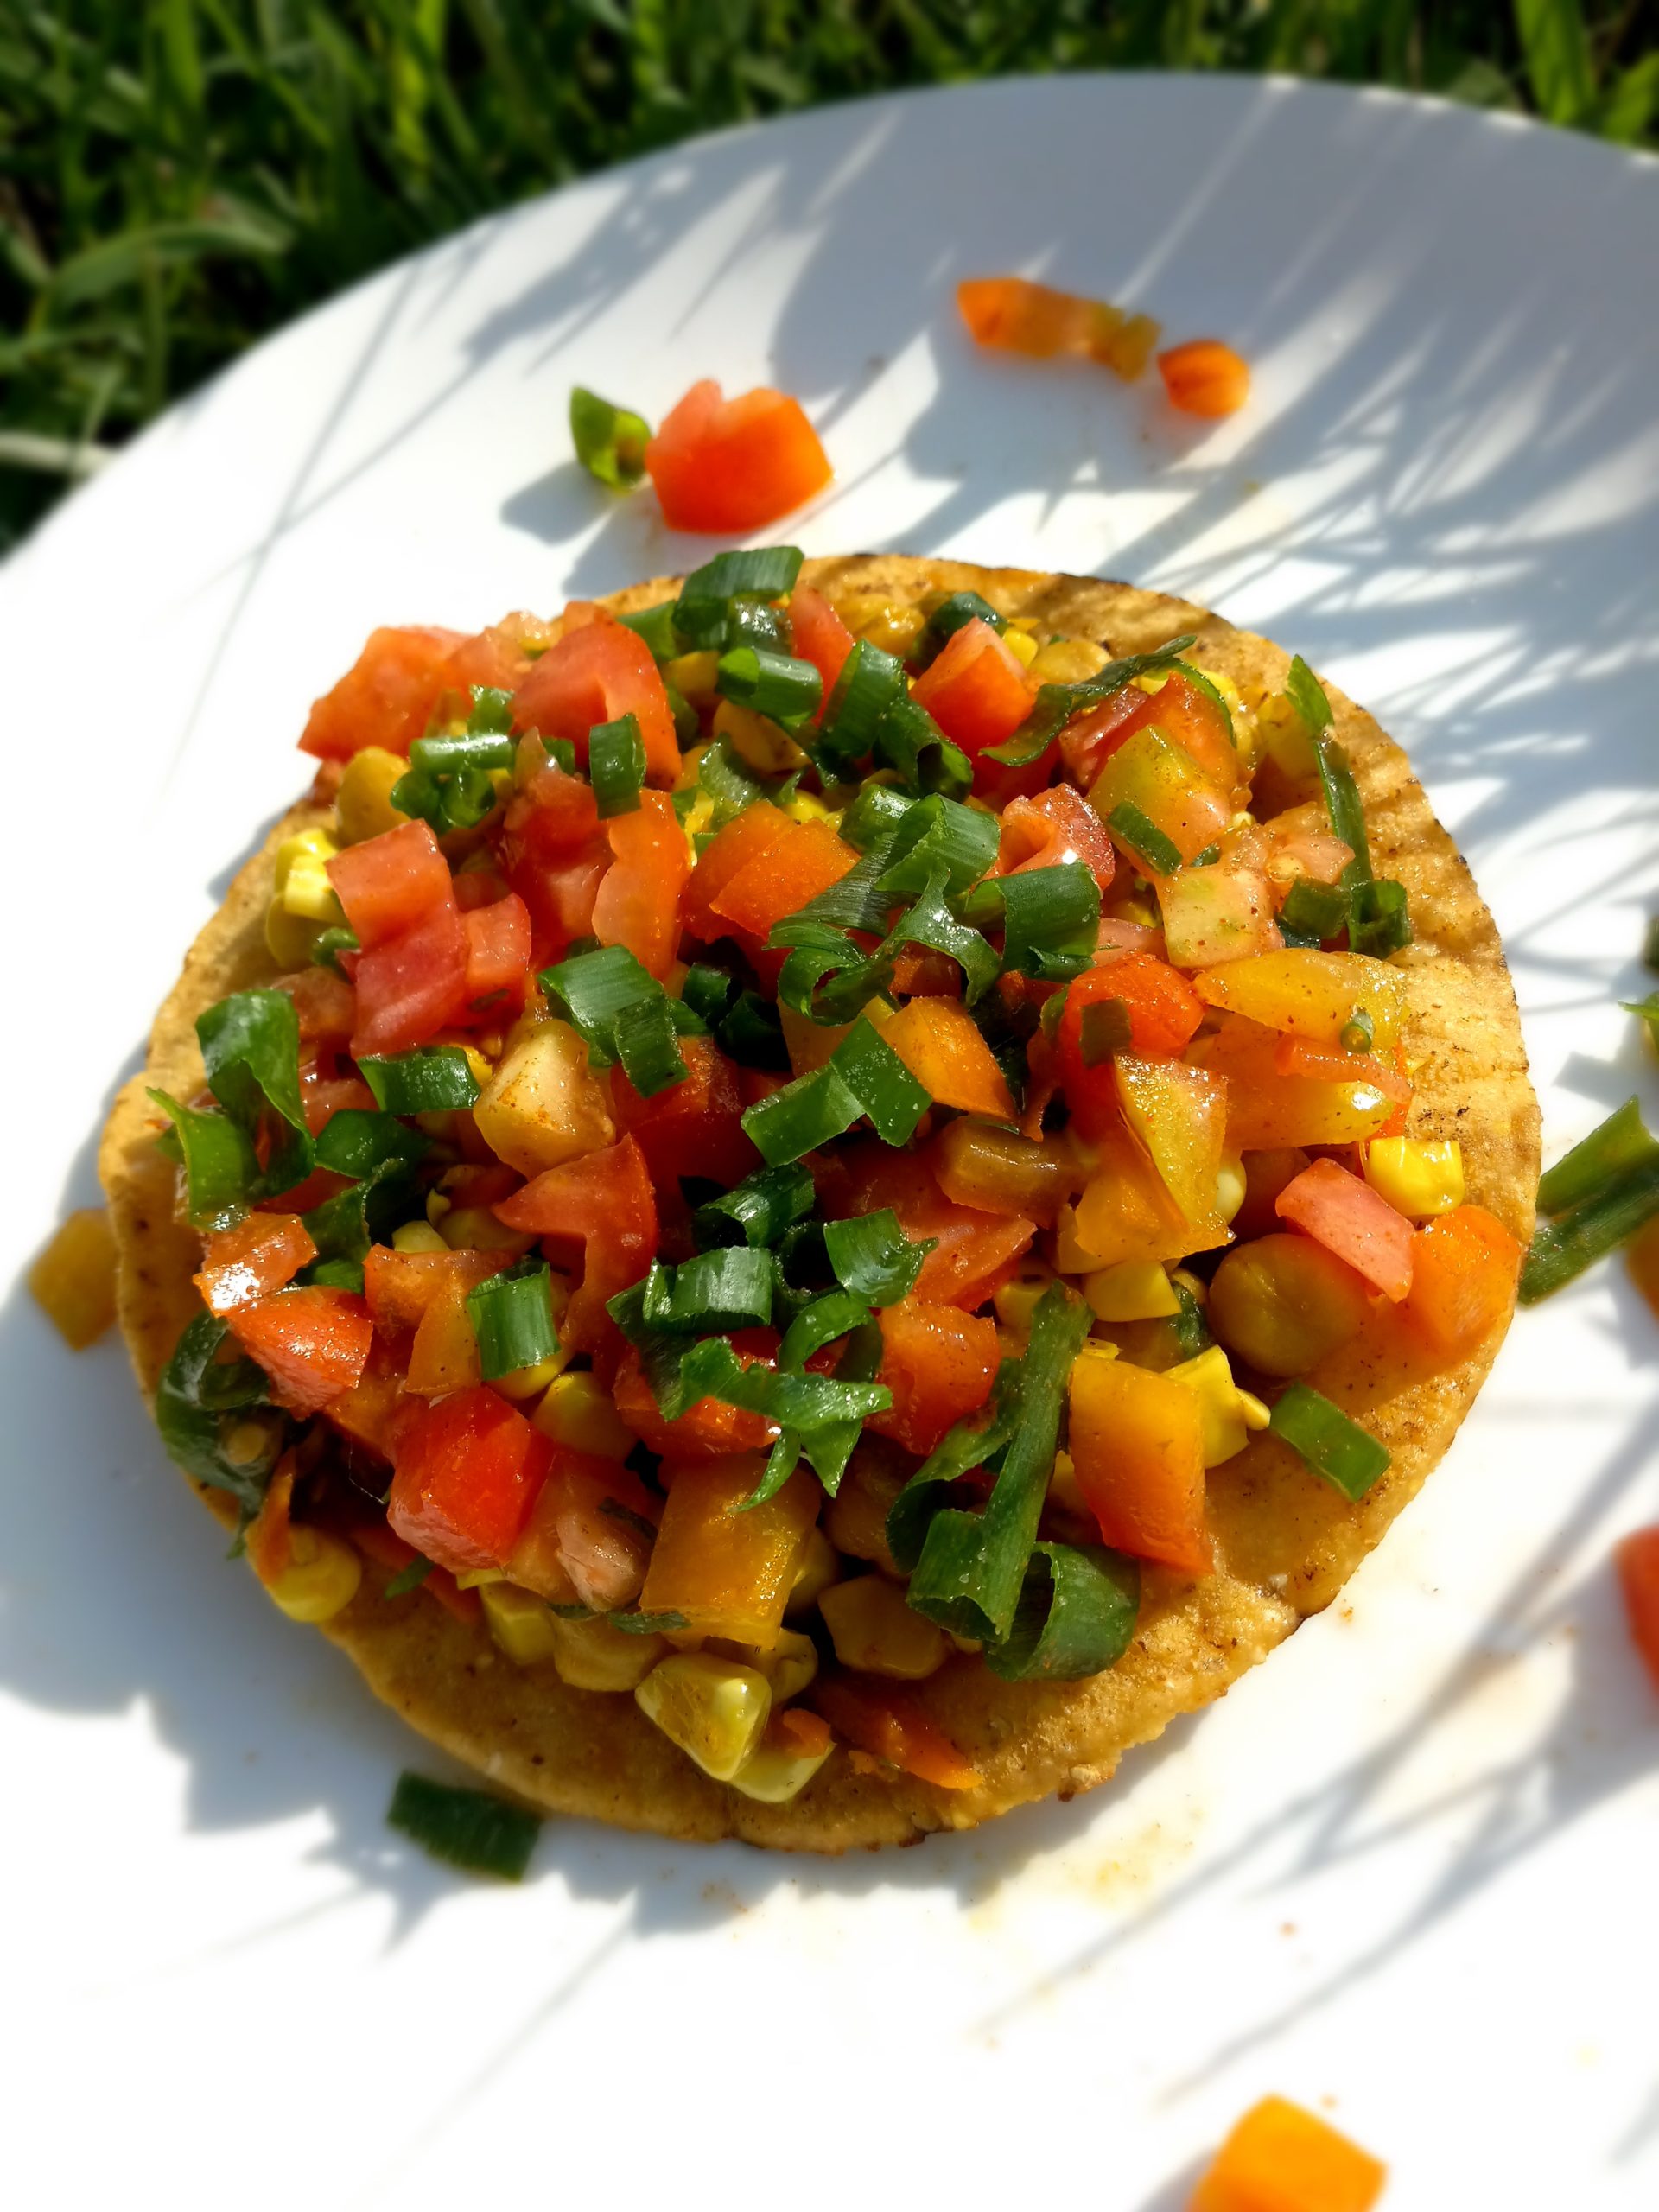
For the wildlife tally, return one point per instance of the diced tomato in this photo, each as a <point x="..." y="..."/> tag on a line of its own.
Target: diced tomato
<point x="368" y="1412"/>
<point x="467" y="1473"/>
<point x="708" y="1430"/>
<point x="598" y="674"/>
<point x="819" y="633"/>
<point x="401" y="1286"/>
<point x="444" y="1355"/>
<point x="694" y="1127"/>
<point x="759" y="829"/>
<point x="602" y="1209"/>
<point x="1203" y="377"/>
<point x="1464" y="1265"/>
<point x="498" y="959"/>
<point x="782" y="879"/>
<point x="734" y="465"/>
<point x="577" y="1544"/>
<point x="479" y="887"/>
<point x="1637" y="1561"/>
<point x="1317" y="1063"/>
<point x="312" y="1342"/>
<point x="325" y="1005"/>
<point x="325" y="1096"/>
<point x="1088" y="740"/>
<point x="493" y="659"/>
<point x="1055" y="827"/>
<point x="256" y="1257"/>
<point x="407" y="990"/>
<point x="386" y="698"/>
<point x="389" y="883"/>
<point x="975" y="690"/>
<point x="890" y="1724"/>
<point x="639" y="899"/>
<point x="942" y="1045"/>
<point x="940" y="1363"/>
<point x="974" y="1251"/>
<point x="1352" y="1220"/>
<point x="1164" y="1014"/>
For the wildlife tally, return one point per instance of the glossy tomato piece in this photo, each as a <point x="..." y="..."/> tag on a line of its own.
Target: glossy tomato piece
<point x="1181" y="708"/>
<point x="638" y="902"/>
<point x="709" y="1430"/>
<point x="259" y="1255"/>
<point x="400" y="1287"/>
<point x="408" y="987"/>
<point x="748" y="836"/>
<point x="466" y="1474"/>
<point x="1352" y="1220"/>
<point x="598" y="674"/>
<point x="694" y="1127"/>
<point x="819" y="633"/>
<point x="312" y="1342"/>
<point x="389" y="883"/>
<point x="973" y="1252"/>
<point x="498" y="959"/>
<point x="975" y="690"/>
<point x="734" y="465"/>
<point x="386" y="698"/>
<point x="780" y="880"/>
<point x="324" y="1005"/>
<point x="939" y="1363"/>
<point x="599" y="1210"/>
<point x="1056" y="827"/>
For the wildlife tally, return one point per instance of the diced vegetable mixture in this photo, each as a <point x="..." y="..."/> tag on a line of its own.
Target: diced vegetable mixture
<point x="791" y="1138"/>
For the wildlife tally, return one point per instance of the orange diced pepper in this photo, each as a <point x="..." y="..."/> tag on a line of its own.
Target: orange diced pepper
<point x="1464" y="1265"/>
<point x="1280" y="2158"/>
<point x="73" y="1280"/>
<point x="1136" y="1444"/>
<point x="943" y="1048"/>
<point x="1203" y="377"/>
<point x="729" y="1572"/>
<point x="889" y="1724"/>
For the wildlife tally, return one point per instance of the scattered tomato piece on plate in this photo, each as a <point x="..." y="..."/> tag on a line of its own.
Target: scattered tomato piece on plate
<point x="1280" y="2158"/>
<point x="1203" y="377"/>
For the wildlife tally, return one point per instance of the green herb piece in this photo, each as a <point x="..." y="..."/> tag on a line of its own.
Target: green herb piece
<point x="1143" y="839"/>
<point x="251" y="1050"/>
<point x="449" y="784"/>
<point x="802" y="1116"/>
<point x="335" y="1275"/>
<point x="466" y="1828"/>
<point x="655" y="626"/>
<point x="858" y="901"/>
<point x="1380" y="920"/>
<point x="621" y="1013"/>
<point x="492" y="713"/>
<point x="432" y="1079"/>
<point x="647" y="1045"/>
<point x="610" y="441"/>
<point x="979" y="1441"/>
<point x="616" y="766"/>
<point x="805" y="1403"/>
<point x="195" y="1400"/>
<point x="1103" y="1027"/>
<point x="408" y="1578"/>
<point x="957" y="612"/>
<point x="870" y="683"/>
<point x="909" y="740"/>
<point x="220" y="1167"/>
<point x="837" y="1313"/>
<point x="709" y="596"/>
<point x="1188" y="1324"/>
<point x="326" y="952"/>
<point x="1358" y="1033"/>
<point x="831" y="1444"/>
<point x="708" y="991"/>
<point x="1612" y="1212"/>
<point x="1646" y="1010"/>
<point x="511" y="1315"/>
<point x="1349" y="1457"/>
<point x="938" y="835"/>
<point x="1207" y="858"/>
<point x="1075" y="1616"/>
<point x="758" y="1211"/>
<point x="1051" y="921"/>
<point x="753" y="1034"/>
<point x="1313" y="910"/>
<point x="778" y="685"/>
<point x="1306" y="694"/>
<point x="872" y="1256"/>
<point x="878" y="1079"/>
<point x="972" y="1573"/>
<point x="729" y="1287"/>
<point x="874" y="815"/>
<point x="731" y="783"/>
<point x="1056" y="703"/>
<point x="362" y="1145"/>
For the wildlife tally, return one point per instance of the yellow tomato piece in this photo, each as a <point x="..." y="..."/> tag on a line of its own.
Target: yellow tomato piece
<point x="1124" y="1212"/>
<point x="1159" y="777"/>
<point x="1179" y="1113"/>
<point x="1311" y="994"/>
<point x="1134" y="1290"/>
<point x="1268" y="1111"/>
<point x="542" y="1105"/>
<point x="729" y="1572"/>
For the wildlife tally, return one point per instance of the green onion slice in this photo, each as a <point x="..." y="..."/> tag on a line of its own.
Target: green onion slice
<point x="957" y="612"/>
<point x="1306" y="694"/>
<point x="874" y="815"/>
<point x="754" y="1035"/>
<point x="1612" y="1213"/>
<point x="731" y="784"/>
<point x="1349" y="1457"/>
<point x="408" y="1578"/>
<point x="777" y="685"/>
<point x="621" y="1013"/>
<point x="709" y="593"/>
<point x="1141" y="837"/>
<point x="758" y="1211"/>
<point x="1056" y="703"/>
<point x="708" y="991"/>
<point x="894" y="1101"/>
<point x="610" y="441"/>
<point x="870" y="683"/>
<point x="367" y="1145"/>
<point x="1051" y="921"/>
<point x="655" y="626"/>
<point x="802" y="1116"/>
<point x="198" y="1393"/>
<point x="908" y="739"/>
<point x="616" y="766"/>
<point x="221" y="1168"/>
<point x="1314" y="911"/>
<point x="729" y="1287"/>
<point x="432" y="1079"/>
<point x="466" y="1828"/>
<point x="938" y="834"/>
<point x="512" y="1316"/>
<point x="326" y="952"/>
<point x="837" y="1313"/>
<point x="1622" y="1140"/>
<point x="873" y="1258"/>
<point x="1075" y="1616"/>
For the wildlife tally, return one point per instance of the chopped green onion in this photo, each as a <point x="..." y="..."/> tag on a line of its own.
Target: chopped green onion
<point x="655" y="626"/>
<point x="466" y="1828"/>
<point x="1646" y="1010"/>
<point x="362" y="1145"/>
<point x="759" y="1211"/>
<point x="335" y="1275"/>
<point x="326" y="952"/>
<point x="957" y="612"/>
<point x="908" y="739"/>
<point x="221" y="1168"/>
<point x="449" y="784"/>
<point x="1349" y="1457"/>
<point x="729" y="1287"/>
<point x="1358" y="1033"/>
<point x="858" y="901"/>
<point x="708" y="991"/>
<point x="873" y="1257"/>
<point x="1610" y="1214"/>
<point x="831" y="1444"/>
<point x="1075" y="1616"/>
<point x="837" y="1313"/>
<point x="777" y="685"/>
<point x="511" y="1315"/>
<point x="251" y="1050"/>
<point x="486" y="749"/>
<point x="938" y="833"/>
<point x="1056" y="703"/>
<point x="1381" y="921"/>
<point x="752" y="622"/>
<point x="1052" y="921"/>
<point x="1142" y="838"/>
<point x="1207" y="858"/>
<point x="754" y="1035"/>
<point x="874" y="815"/>
<point x="492" y="714"/>
<point x="972" y="1568"/>
<point x="1313" y="910"/>
<point x="408" y="1578"/>
<point x="729" y="782"/>
<point x="979" y="1441"/>
<point x="804" y="1402"/>
<point x="707" y="596"/>
<point x="610" y="441"/>
<point x="648" y="1046"/>
<point x="1188" y="1324"/>
<point x="194" y="1399"/>
<point x="1378" y="922"/>
<point x="621" y="1013"/>
<point x="803" y="1115"/>
<point x="1104" y="1028"/>
<point x="616" y="766"/>
<point x="1306" y="694"/>
<point x="432" y="1079"/>
<point x="878" y="1079"/>
<point x="870" y="683"/>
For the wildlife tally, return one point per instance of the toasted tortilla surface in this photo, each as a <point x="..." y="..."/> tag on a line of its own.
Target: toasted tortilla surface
<point x="1286" y="1542"/>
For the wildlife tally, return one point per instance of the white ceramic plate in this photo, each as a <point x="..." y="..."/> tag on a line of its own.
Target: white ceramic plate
<point x="1404" y="1873"/>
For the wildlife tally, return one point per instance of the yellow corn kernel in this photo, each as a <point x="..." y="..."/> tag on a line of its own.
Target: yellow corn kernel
<point x="693" y="676"/>
<point x="577" y="1411"/>
<point x="519" y="1622"/>
<point x="476" y="1228"/>
<point x="818" y="1570"/>
<point x="757" y="739"/>
<point x="363" y="807"/>
<point x="713" y="1709"/>
<point x="477" y="1578"/>
<point x="1284" y="738"/>
<point x="301" y="879"/>
<point x="874" y="1629"/>
<point x="778" y="1769"/>
<point x="1230" y="1185"/>
<point x="321" y="1578"/>
<point x="1064" y="1488"/>
<point x="1221" y="1404"/>
<point x="1134" y="1290"/>
<point x="530" y="1382"/>
<point x="289" y="937"/>
<point x="1417" y="1177"/>
<point x="73" y="1280"/>
<point x="856" y="1520"/>
<point x="788" y="1666"/>
<point x="592" y="1655"/>
<point x="1071" y="1256"/>
<point x="1067" y="660"/>
<point x="1016" y="1300"/>
<point x="418" y="1236"/>
<point x="1101" y="1347"/>
<point x="884" y="622"/>
<point x="1024" y="647"/>
<point x="807" y="806"/>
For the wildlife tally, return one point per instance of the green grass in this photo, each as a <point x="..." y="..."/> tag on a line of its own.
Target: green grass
<point x="178" y="177"/>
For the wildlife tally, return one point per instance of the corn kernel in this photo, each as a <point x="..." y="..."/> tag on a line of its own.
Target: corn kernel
<point x="1221" y="1404"/>
<point x="530" y="1382"/>
<point x="1133" y="1290"/>
<point x="577" y="1411"/>
<point x="818" y="1568"/>
<point x="1017" y="1299"/>
<point x="592" y="1655"/>
<point x="807" y="806"/>
<point x="882" y="622"/>
<point x="1064" y="1488"/>
<point x="301" y="879"/>
<point x="289" y="937"/>
<point x="1067" y="660"/>
<point x="1416" y="1177"/>
<point x="1229" y="1186"/>
<point x="714" y="1710"/>
<point x="476" y="1228"/>
<point x="692" y="676"/>
<point x="479" y="1578"/>
<point x="519" y="1622"/>
<point x="1284" y="737"/>
<point x="418" y="1236"/>
<point x="1022" y="645"/>
<point x="321" y="1578"/>
<point x="757" y="739"/>
<point x="874" y="1629"/>
<point x="363" y="807"/>
<point x="778" y="1768"/>
<point x="1071" y="1256"/>
<point x="73" y="1280"/>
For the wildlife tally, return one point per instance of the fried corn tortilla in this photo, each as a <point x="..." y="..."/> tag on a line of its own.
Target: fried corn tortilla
<point x="1285" y="1541"/>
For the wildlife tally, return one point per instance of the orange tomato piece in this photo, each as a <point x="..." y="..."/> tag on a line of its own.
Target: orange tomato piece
<point x="975" y="690"/>
<point x="939" y="1363"/>
<point x="387" y="698"/>
<point x="444" y="1355"/>
<point x="1317" y="1063"/>
<point x="402" y="1286"/>
<point x="1280" y="2158"/>
<point x="311" y="1342"/>
<point x="1464" y="1267"/>
<point x="602" y="1209"/>
<point x="1203" y="377"/>
<point x="1136" y="1442"/>
<point x="466" y="1474"/>
<point x="1354" y="1221"/>
<point x="368" y="1412"/>
<point x="729" y="1573"/>
<point x="1164" y="1012"/>
<point x="325" y="1005"/>
<point x="1637" y="1562"/>
<point x="890" y="1724"/>
<point x="637" y="903"/>
<point x="942" y="1045"/>
<point x="819" y="633"/>
<point x="1057" y="826"/>
<point x="781" y="879"/>
<point x="693" y="1127"/>
<point x="746" y="838"/>
<point x="974" y="1251"/>
<point x="597" y="673"/>
<point x="709" y="1430"/>
<point x="734" y="465"/>
<point x="259" y="1255"/>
